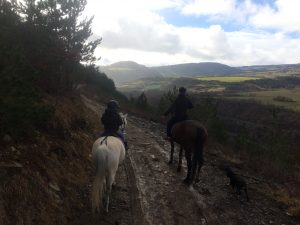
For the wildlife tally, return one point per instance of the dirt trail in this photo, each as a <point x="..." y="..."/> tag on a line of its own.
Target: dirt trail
<point x="151" y="192"/>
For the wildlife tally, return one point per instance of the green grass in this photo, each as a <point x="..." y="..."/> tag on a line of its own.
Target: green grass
<point x="266" y="97"/>
<point x="152" y="87"/>
<point x="140" y="86"/>
<point x="228" y="79"/>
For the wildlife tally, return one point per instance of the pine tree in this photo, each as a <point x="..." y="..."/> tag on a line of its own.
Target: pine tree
<point x="142" y="101"/>
<point x="61" y="18"/>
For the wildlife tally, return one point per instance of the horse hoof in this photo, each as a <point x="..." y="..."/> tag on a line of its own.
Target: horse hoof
<point x="170" y="162"/>
<point x="197" y="181"/>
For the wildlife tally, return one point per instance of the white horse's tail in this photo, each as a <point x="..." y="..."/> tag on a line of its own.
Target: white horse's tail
<point x="99" y="182"/>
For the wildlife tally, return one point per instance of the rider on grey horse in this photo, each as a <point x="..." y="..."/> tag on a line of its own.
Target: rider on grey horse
<point x="112" y="121"/>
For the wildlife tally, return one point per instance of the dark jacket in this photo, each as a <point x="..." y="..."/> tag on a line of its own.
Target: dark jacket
<point x="111" y="121"/>
<point x="180" y="106"/>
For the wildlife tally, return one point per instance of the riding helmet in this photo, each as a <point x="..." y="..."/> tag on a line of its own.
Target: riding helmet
<point x="182" y="90"/>
<point x="113" y="104"/>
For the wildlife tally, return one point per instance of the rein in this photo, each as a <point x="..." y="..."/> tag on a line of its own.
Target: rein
<point x="104" y="140"/>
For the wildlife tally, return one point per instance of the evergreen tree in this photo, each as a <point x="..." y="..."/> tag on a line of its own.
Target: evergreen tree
<point x="142" y="101"/>
<point x="42" y="45"/>
<point x="62" y="18"/>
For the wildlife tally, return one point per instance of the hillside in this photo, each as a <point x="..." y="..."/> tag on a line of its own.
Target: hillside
<point x="127" y="71"/>
<point x="264" y="68"/>
<point x="197" y="69"/>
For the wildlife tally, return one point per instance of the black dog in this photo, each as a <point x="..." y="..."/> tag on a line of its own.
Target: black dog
<point x="237" y="182"/>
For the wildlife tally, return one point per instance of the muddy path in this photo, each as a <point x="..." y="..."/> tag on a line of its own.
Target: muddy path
<point x="212" y="200"/>
<point x="149" y="191"/>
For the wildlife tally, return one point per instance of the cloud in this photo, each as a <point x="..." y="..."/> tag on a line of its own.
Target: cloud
<point x="284" y="17"/>
<point x="158" y="37"/>
<point x="136" y="30"/>
<point x="211" y="7"/>
<point x="206" y="43"/>
<point x="262" y="48"/>
<point x="237" y="48"/>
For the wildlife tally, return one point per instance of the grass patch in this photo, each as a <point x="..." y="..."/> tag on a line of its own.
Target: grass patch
<point x="292" y="202"/>
<point x="152" y="87"/>
<point x="227" y="79"/>
<point x="270" y="97"/>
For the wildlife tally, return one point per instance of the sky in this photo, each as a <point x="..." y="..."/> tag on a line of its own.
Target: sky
<point x="167" y="32"/>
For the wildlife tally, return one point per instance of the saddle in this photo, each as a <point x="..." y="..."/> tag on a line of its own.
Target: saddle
<point x="114" y="134"/>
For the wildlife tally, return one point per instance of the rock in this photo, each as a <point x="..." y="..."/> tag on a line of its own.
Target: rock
<point x="10" y="168"/>
<point x="54" y="186"/>
<point x="7" y="138"/>
<point x="153" y="157"/>
<point x="59" y="151"/>
<point x="10" y="165"/>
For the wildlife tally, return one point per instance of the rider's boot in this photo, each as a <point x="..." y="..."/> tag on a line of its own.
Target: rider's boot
<point x="126" y="145"/>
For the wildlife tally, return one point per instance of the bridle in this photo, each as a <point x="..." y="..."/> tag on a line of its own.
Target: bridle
<point x="123" y="123"/>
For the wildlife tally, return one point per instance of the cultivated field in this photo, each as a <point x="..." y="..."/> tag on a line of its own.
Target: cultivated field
<point x="269" y="97"/>
<point x="228" y="79"/>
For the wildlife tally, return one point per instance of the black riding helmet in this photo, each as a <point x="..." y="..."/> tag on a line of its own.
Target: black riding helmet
<point x="182" y="90"/>
<point x="113" y="104"/>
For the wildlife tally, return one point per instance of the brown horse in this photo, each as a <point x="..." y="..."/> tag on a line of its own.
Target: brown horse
<point x="192" y="137"/>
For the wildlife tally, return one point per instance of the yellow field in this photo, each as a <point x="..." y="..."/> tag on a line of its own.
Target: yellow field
<point x="229" y="79"/>
<point x="266" y="97"/>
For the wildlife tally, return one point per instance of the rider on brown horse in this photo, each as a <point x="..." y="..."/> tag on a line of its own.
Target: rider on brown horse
<point x="178" y="109"/>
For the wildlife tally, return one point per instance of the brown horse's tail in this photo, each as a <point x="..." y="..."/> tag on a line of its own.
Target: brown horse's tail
<point x="198" y="150"/>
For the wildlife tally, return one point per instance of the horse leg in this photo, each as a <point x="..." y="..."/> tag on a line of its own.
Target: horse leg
<point x="198" y="155"/>
<point x="189" y="165"/>
<point x="197" y="179"/>
<point x="172" y="152"/>
<point x="200" y="164"/>
<point x="180" y="159"/>
<point x="109" y="183"/>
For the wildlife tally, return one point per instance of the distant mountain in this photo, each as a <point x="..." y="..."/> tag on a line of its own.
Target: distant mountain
<point x="262" y="68"/>
<point x="197" y="69"/>
<point x="126" y="71"/>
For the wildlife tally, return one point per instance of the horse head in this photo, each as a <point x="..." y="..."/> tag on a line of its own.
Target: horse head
<point x="124" y="120"/>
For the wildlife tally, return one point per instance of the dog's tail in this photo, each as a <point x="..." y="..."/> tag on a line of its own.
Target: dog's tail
<point x="198" y="151"/>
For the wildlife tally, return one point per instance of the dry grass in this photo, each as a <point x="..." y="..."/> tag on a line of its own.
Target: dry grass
<point x="292" y="202"/>
<point x="59" y="157"/>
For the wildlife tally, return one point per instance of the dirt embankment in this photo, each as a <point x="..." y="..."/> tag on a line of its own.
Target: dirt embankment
<point x="50" y="183"/>
<point x="41" y="180"/>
